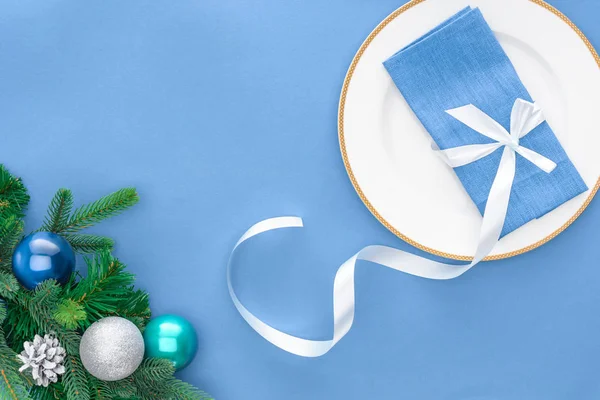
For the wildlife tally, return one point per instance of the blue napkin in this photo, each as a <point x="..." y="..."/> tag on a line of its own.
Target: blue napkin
<point x="461" y="62"/>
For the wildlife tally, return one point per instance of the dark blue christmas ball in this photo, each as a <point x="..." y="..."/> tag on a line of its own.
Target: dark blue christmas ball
<point x="41" y="256"/>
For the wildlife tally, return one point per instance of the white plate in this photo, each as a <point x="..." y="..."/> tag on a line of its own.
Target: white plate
<point x="387" y="151"/>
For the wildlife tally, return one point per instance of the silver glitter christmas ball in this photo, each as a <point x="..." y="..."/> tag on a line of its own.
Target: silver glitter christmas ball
<point x="112" y="348"/>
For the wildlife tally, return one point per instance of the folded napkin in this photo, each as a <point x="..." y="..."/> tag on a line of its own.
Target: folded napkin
<point x="461" y="62"/>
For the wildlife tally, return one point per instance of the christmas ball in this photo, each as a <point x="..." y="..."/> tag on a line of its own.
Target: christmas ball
<point x="171" y="337"/>
<point x="111" y="348"/>
<point x="41" y="256"/>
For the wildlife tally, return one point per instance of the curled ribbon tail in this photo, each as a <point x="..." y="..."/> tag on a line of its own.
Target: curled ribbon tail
<point x="343" y="288"/>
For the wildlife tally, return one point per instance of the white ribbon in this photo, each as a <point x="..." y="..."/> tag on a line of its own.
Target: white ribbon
<point x="525" y="117"/>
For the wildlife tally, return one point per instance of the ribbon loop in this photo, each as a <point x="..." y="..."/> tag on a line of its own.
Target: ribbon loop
<point x="525" y="117"/>
<point x="480" y="122"/>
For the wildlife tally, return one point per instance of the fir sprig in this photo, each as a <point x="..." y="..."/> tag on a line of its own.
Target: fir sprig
<point x="181" y="390"/>
<point x="13" y="386"/>
<point x="70" y="314"/>
<point x="13" y="195"/>
<point x="75" y="381"/>
<point x="107" y="289"/>
<point x="155" y="376"/>
<point x="9" y="286"/>
<point x="11" y="231"/>
<point x="59" y="211"/>
<point x="99" y="210"/>
<point x="89" y="244"/>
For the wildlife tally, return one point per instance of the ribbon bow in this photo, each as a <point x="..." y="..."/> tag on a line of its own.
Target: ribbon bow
<point x="525" y="117"/>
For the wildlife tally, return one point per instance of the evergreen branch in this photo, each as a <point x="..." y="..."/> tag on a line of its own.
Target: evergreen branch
<point x="122" y="389"/>
<point x="13" y="195"/>
<point x="11" y="231"/>
<point x="42" y="303"/>
<point x="154" y="370"/>
<point x="56" y="391"/>
<point x="107" y="290"/>
<point x="135" y="306"/>
<point x="154" y="379"/>
<point x="31" y="313"/>
<point x="101" y="209"/>
<point x="75" y="380"/>
<point x="68" y="339"/>
<point x="184" y="391"/>
<point x="103" y="288"/>
<point x="151" y="377"/>
<point x="20" y="325"/>
<point x="99" y="390"/>
<point x="59" y="211"/>
<point x="89" y="244"/>
<point x="13" y="386"/>
<point x="69" y="314"/>
<point x="9" y="286"/>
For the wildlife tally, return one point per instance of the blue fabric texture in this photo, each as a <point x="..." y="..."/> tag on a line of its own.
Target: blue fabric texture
<point x="461" y="62"/>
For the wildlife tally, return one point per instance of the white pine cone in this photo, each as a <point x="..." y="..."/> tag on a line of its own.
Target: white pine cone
<point x="45" y="357"/>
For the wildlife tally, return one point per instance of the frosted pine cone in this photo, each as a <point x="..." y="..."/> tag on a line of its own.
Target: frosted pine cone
<point x="45" y="357"/>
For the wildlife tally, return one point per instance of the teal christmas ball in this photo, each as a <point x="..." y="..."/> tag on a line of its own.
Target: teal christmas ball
<point x="171" y="337"/>
<point x="41" y="256"/>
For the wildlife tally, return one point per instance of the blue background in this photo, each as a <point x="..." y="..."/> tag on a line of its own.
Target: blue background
<point x="222" y="113"/>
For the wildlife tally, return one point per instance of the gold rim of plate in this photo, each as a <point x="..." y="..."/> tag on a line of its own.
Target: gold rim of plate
<point x="366" y="201"/>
